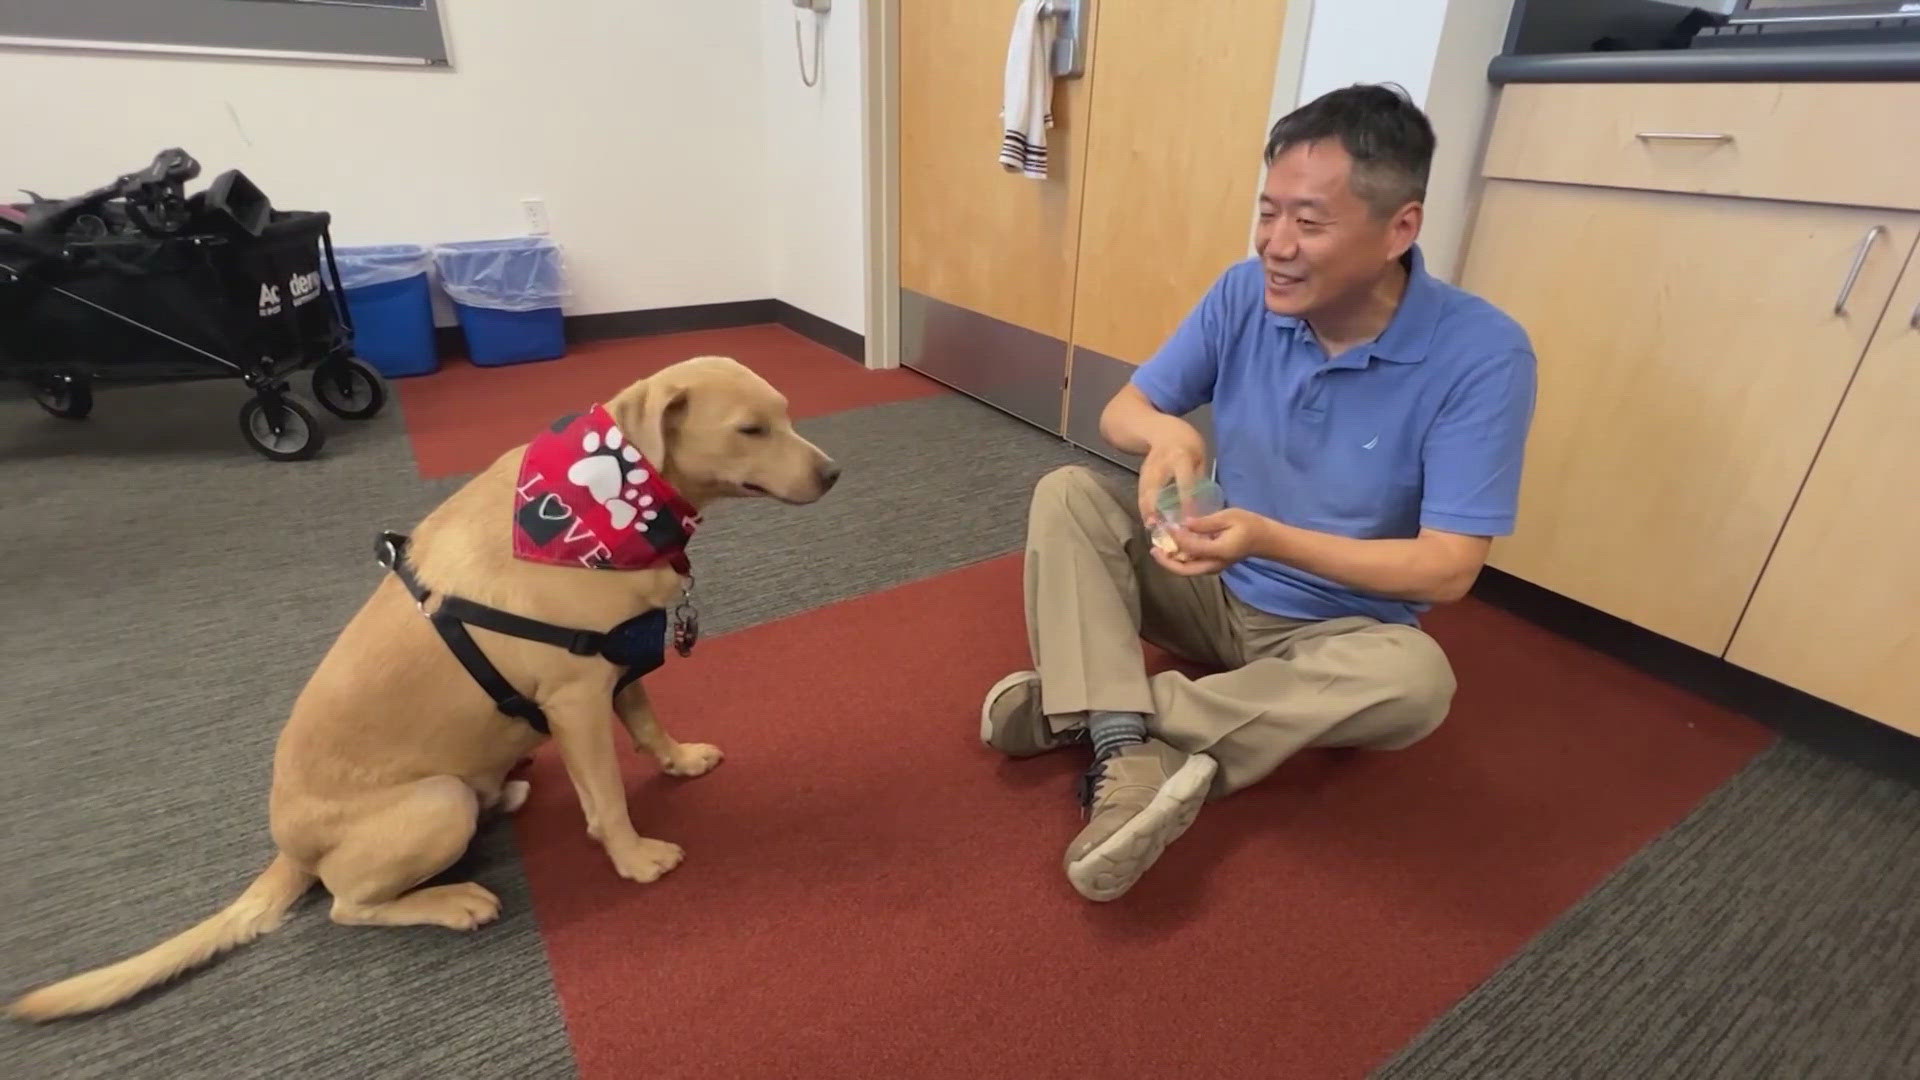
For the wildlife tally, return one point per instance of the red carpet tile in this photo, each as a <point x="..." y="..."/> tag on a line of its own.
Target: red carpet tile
<point x="462" y="417"/>
<point x="869" y="892"/>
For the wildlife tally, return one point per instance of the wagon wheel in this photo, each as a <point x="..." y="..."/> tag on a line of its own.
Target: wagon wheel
<point x="65" y="396"/>
<point x="281" y="429"/>
<point x="349" y="389"/>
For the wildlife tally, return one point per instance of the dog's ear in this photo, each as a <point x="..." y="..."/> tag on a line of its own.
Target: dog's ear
<point x="662" y="407"/>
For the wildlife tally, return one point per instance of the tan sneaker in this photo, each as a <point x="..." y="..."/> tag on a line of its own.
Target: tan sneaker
<point x="1138" y="801"/>
<point x="1012" y="723"/>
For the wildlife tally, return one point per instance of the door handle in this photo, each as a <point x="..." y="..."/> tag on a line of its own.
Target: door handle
<point x="1070" y="35"/>
<point x="1859" y="260"/>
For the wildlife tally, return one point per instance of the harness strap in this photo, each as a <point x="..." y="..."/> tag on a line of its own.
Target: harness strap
<point x="577" y="642"/>
<point x="448" y="620"/>
<point x="638" y="643"/>
<point x="505" y="697"/>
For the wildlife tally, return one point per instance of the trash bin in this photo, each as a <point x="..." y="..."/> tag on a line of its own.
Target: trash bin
<point x="390" y="296"/>
<point x="507" y="295"/>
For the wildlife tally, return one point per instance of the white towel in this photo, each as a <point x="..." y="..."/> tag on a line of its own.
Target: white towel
<point x="1027" y="111"/>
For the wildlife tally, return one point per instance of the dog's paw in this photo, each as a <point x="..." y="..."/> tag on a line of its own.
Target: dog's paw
<point x="466" y="906"/>
<point x="645" y="860"/>
<point x="513" y="795"/>
<point x="691" y="759"/>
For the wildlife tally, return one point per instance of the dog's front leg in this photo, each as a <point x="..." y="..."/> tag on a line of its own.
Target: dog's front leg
<point x="675" y="758"/>
<point x="586" y="747"/>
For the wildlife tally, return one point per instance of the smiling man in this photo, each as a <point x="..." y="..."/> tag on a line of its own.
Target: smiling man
<point x="1370" y="422"/>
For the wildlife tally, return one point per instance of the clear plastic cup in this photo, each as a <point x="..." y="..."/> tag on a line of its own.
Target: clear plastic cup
<point x="1202" y="499"/>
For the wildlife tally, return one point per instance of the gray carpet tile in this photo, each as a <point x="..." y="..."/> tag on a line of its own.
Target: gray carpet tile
<point x="163" y="595"/>
<point x="1772" y="934"/>
<point x="929" y="486"/>
<point x="166" y="591"/>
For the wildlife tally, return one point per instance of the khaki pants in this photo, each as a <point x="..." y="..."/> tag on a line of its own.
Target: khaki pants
<point x="1093" y="591"/>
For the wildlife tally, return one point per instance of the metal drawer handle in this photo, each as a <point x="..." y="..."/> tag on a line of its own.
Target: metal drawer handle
<point x="1859" y="260"/>
<point x="1914" y="322"/>
<point x="1692" y="136"/>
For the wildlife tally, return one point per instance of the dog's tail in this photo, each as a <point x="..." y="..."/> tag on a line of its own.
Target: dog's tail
<point x="258" y="910"/>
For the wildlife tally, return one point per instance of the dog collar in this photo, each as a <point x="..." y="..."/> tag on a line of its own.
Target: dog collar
<point x="586" y="496"/>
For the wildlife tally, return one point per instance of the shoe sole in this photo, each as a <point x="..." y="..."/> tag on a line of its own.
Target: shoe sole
<point x="993" y="695"/>
<point x="1110" y="869"/>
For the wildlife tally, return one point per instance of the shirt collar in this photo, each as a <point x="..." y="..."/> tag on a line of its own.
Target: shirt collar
<point x="1410" y="332"/>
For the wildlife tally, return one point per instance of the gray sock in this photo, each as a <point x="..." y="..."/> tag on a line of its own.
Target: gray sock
<point x="1113" y="731"/>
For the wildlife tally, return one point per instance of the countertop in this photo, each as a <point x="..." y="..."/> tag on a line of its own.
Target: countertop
<point x="1898" y="62"/>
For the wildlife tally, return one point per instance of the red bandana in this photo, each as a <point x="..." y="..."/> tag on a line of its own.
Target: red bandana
<point x="587" y="497"/>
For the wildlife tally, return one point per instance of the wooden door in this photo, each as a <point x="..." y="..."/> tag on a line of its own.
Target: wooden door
<point x="1837" y="613"/>
<point x="1154" y="166"/>
<point x="1683" y="387"/>
<point x="987" y="257"/>
<point x="1173" y="171"/>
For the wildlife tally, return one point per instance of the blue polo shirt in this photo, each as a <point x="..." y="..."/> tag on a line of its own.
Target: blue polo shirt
<point x="1423" y="426"/>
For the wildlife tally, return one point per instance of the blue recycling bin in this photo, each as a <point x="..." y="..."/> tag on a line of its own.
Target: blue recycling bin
<point x="389" y="293"/>
<point x="507" y="295"/>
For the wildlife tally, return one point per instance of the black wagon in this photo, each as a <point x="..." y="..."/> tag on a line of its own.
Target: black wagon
<point x="136" y="282"/>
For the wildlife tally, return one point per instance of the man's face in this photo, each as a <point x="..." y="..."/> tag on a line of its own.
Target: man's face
<point x="1321" y="244"/>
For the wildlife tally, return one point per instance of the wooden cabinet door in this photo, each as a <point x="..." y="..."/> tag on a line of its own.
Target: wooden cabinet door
<point x="1837" y="613"/>
<point x="1690" y="360"/>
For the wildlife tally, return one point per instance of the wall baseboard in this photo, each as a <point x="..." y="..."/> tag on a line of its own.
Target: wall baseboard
<point x="604" y="326"/>
<point x="821" y="331"/>
<point x="1793" y="714"/>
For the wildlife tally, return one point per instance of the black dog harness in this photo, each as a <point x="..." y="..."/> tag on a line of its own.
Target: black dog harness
<point x="638" y="645"/>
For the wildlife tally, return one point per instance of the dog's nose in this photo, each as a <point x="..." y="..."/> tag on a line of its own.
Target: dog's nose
<point x="829" y="475"/>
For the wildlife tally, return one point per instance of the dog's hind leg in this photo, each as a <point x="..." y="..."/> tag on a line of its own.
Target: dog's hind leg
<point x="675" y="758"/>
<point x="404" y="838"/>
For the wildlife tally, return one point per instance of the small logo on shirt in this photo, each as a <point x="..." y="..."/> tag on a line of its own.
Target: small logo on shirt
<point x="1371" y="443"/>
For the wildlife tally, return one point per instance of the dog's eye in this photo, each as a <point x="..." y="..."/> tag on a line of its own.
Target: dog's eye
<point x="753" y="429"/>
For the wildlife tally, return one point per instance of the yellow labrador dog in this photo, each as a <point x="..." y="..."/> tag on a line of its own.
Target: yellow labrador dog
<point x="395" y="745"/>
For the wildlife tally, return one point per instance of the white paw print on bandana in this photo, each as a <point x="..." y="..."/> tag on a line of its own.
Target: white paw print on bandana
<point x="606" y="471"/>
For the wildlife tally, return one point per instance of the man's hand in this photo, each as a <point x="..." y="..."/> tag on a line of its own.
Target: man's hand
<point x="1210" y="544"/>
<point x="1434" y="567"/>
<point x="1176" y="452"/>
<point x="1170" y="447"/>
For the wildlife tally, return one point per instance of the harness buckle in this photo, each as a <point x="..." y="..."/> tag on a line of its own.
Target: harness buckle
<point x="386" y="550"/>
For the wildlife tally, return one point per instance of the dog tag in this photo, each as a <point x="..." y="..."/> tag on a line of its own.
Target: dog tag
<point x="686" y="628"/>
<point x="686" y="621"/>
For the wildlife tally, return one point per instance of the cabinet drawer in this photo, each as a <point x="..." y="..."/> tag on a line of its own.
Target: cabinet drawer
<point x="1842" y="143"/>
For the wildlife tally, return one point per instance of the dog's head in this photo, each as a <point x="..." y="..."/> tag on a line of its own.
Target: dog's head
<point x="716" y="429"/>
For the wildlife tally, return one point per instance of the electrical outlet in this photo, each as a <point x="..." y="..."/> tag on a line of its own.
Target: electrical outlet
<point x="536" y="211"/>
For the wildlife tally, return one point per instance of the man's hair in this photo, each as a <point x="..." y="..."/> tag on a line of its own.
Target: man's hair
<point x="1386" y="134"/>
